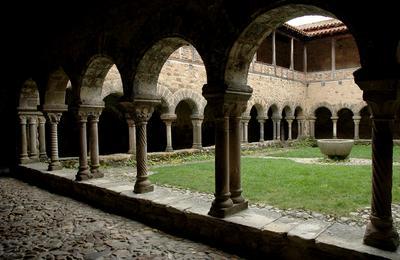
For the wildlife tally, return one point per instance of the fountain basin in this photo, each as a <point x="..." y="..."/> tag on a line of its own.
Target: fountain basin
<point x="336" y="149"/>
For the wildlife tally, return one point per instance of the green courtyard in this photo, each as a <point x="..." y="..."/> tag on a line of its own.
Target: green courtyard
<point x="329" y="188"/>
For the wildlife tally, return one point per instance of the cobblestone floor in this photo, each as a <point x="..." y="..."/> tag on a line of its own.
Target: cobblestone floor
<point x="36" y="224"/>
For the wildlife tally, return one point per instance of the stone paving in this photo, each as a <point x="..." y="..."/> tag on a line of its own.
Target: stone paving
<point x="36" y="224"/>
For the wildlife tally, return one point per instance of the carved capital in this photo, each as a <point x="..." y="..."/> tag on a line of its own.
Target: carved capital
<point x="54" y="117"/>
<point x="140" y="109"/>
<point x="22" y="119"/>
<point x="168" y="117"/>
<point x="227" y="104"/>
<point x="32" y="119"/>
<point x="91" y="112"/>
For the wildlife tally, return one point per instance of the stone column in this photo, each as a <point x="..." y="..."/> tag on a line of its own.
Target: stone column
<point x="140" y="110"/>
<point x="334" y="130"/>
<point x="235" y="186"/>
<point x="262" y="122"/>
<point x="356" y="120"/>
<point x="291" y="54"/>
<point x="23" y="157"/>
<point x="245" y="121"/>
<point x="273" y="129"/>
<point x="278" y="129"/>
<point x="94" y="144"/>
<point x="54" y="119"/>
<point x="382" y="96"/>
<point x="305" y="58"/>
<point x="227" y="108"/>
<point x="197" y="120"/>
<point x="132" y="135"/>
<point x="380" y="231"/>
<point x="33" y="152"/>
<point x="289" y="121"/>
<point x="83" y="172"/>
<point x="42" y="138"/>
<point x="168" y="119"/>
<point x="312" y="126"/>
<point x="273" y="49"/>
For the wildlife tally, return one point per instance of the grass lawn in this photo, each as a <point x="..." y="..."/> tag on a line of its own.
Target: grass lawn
<point x="329" y="189"/>
<point x="358" y="151"/>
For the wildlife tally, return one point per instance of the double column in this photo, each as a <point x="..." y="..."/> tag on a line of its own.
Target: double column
<point x="356" y="119"/>
<point x="289" y="120"/>
<point x="383" y="98"/>
<point x="89" y="114"/>
<point x="227" y="108"/>
<point x="141" y="110"/>
<point x="334" y="128"/>
<point x="245" y="127"/>
<point x="276" y="127"/>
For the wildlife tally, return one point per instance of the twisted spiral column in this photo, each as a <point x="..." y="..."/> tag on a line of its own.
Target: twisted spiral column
<point x="142" y="183"/>
<point x="380" y="231"/>
<point x="54" y="119"/>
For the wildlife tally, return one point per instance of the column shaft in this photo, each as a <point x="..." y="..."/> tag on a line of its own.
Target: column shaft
<point x="196" y="133"/>
<point x="54" y="119"/>
<point x="33" y="138"/>
<point x="83" y="172"/>
<point x="234" y="160"/>
<point x="169" y="136"/>
<point x="94" y="146"/>
<point x="23" y="158"/>
<point x="142" y="184"/>
<point x="42" y="138"/>
<point x="380" y="231"/>
<point x="132" y="136"/>
<point x="291" y="54"/>
<point x="245" y="131"/>
<point x="290" y="129"/>
<point x="278" y="129"/>
<point x="261" y="130"/>
<point x="334" y="130"/>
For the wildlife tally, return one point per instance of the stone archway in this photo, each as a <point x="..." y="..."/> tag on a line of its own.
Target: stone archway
<point x="323" y="123"/>
<point x="345" y="124"/>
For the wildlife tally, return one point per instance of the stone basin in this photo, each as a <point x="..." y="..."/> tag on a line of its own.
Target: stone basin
<point x="337" y="149"/>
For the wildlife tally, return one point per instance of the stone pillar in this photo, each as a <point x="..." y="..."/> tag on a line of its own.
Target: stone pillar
<point x="289" y="121"/>
<point x="278" y="129"/>
<point x="291" y="53"/>
<point x="54" y="119"/>
<point x="235" y="185"/>
<point x="382" y="96"/>
<point x="83" y="172"/>
<point x="312" y="126"/>
<point x="245" y="121"/>
<point x="94" y="144"/>
<point x="334" y="130"/>
<point x="132" y="135"/>
<point x="140" y="110"/>
<point x="305" y="58"/>
<point x="196" y="122"/>
<point x="262" y="122"/>
<point x="356" y="120"/>
<point x="227" y="108"/>
<point x="273" y="49"/>
<point x="33" y="152"/>
<point x="273" y="129"/>
<point x="42" y="138"/>
<point x="167" y="119"/>
<point x="23" y="157"/>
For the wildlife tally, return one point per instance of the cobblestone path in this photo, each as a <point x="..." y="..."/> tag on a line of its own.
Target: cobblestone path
<point x="36" y="224"/>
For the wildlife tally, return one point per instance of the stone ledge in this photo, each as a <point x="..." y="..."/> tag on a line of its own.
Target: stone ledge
<point x="250" y="233"/>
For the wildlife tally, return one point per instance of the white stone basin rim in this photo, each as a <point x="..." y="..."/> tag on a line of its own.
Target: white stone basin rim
<point x="335" y="148"/>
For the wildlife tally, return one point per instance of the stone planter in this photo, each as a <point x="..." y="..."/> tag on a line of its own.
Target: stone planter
<point x="337" y="149"/>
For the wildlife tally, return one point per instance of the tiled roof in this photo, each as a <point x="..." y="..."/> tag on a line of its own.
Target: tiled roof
<point x="322" y="28"/>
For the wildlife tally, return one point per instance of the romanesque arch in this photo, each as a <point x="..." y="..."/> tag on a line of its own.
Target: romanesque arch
<point x="323" y="123"/>
<point x="345" y="123"/>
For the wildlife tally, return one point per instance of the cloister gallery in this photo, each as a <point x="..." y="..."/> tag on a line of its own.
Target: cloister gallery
<point x="173" y="81"/>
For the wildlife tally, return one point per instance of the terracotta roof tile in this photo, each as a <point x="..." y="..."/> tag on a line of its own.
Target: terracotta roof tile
<point x="327" y="27"/>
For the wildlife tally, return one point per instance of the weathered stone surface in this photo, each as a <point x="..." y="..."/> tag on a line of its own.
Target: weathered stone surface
<point x="308" y="230"/>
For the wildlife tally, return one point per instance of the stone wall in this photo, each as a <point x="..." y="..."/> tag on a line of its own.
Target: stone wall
<point x="184" y="71"/>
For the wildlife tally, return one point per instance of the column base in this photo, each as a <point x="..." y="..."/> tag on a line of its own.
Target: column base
<point x="197" y="146"/>
<point x="43" y="157"/>
<point x="382" y="235"/>
<point x="97" y="174"/>
<point x="53" y="166"/>
<point x="24" y="160"/>
<point x="131" y="152"/>
<point x="139" y="188"/>
<point x="83" y="175"/>
<point x="225" y="212"/>
<point x="34" y="159"/>
<point x="169" y="149"/>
